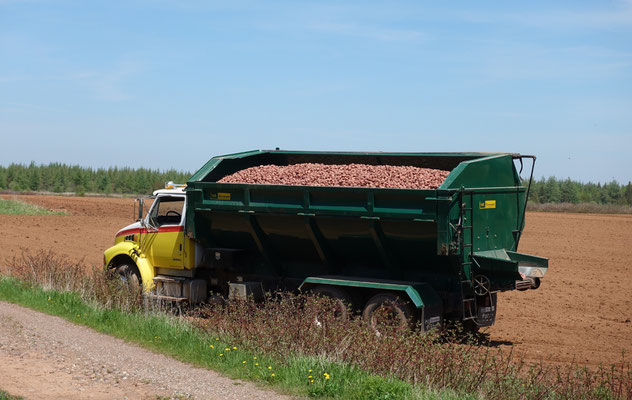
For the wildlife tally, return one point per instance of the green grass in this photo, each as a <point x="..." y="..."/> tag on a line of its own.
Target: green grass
<point x="17" y="207"/>
<point x="6" y="396"/>
<point x="177" y="338"/>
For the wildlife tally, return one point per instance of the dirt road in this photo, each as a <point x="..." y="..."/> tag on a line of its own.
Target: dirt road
<point x="581" y="312"/>
<point x="46" y="357"/>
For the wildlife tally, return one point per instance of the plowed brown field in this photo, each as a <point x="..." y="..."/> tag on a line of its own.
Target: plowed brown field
<point x="581" y="312"/>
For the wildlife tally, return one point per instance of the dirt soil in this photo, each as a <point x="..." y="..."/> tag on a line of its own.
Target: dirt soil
<point x="581" y="313"/>
<point x="82" y="235"/>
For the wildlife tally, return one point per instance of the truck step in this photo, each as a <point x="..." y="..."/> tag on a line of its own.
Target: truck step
<point x="151" y="296"/>
<point x="169" y="279"/>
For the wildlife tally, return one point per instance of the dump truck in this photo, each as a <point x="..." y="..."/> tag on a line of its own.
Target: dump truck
<point x="430" y="256"/>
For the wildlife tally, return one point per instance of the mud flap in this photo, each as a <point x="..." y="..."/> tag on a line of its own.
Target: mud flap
<point x="432" y="310"/>
<point x="486" y="310"/>
<point x="432" y="317"/>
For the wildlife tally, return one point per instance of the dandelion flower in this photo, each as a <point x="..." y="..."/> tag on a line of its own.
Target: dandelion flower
<point x="312" y="381"/>
<point x="211" y="346"/>
<point x="326" y="375"/>
<point x="272" y="375"/>
<point x="243" y="362"/>
<point x="269" y="367"/>
<point x="234" y="347"/>
<point x="221" y="354"/>
<point x="256" y="364"/>
<point x="254" y="358"/>
<point x="227" y="349"/>
<point x="309" y="377"/>
<point x="216" y="338"/>
<point x="309" y="370"/>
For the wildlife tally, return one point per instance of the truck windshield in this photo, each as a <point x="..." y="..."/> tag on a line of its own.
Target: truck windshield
<point x="167" y="210"/>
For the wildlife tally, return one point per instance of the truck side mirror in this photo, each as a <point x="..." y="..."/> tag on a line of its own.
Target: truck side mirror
<point x="140" y="202"/>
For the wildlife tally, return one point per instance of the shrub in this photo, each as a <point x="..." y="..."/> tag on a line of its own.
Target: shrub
<point x="52" y="271"/>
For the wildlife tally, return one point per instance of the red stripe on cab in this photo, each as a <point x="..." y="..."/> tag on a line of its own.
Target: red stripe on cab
<point x="162" y="229"/>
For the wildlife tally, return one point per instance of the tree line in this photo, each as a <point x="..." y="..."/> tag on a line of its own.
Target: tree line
<point x="553" y="190"/>
<point x="59" y="178"/>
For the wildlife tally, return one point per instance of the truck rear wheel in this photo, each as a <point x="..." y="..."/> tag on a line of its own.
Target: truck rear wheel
<point x="342" y="301"/>
<point x="388" y="312"/>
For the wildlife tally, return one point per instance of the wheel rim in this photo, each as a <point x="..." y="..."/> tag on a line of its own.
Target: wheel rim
<point x="482" y="285"/>
<point x="387" y="318"/>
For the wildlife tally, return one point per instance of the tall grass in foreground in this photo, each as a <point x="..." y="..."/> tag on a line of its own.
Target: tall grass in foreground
<point x="283" y="329"/>
<point x="51" y="271"/>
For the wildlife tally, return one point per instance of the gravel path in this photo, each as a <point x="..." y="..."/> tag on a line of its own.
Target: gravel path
<point x="42" y="356"/>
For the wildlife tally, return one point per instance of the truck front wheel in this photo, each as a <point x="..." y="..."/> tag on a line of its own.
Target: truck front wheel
<point x="388" y="312"/>
<point x="129" y="274"/>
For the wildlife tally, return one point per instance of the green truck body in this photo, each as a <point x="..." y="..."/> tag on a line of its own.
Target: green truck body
<point x="446" y="252"/>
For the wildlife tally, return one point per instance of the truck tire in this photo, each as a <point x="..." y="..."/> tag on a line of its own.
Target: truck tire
<point x="128" y="274"/>
<point x="388" y="312"/>
<point x="342" y="300"/>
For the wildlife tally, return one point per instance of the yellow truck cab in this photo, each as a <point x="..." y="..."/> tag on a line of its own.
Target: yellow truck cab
<point x="156" y="245"/>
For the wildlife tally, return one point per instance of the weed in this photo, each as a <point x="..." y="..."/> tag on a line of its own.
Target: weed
<point x="6" y="396"/>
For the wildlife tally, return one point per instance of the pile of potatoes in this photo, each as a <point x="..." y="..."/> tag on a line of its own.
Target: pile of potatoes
<point x="352" y="175"/>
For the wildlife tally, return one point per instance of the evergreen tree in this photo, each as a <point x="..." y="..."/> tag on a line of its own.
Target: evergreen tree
<point x="627" y="194"/>
<point x="613" y="193"/>
<point x="46" y="178"/>
<point x="552" y="191"/>
<point x="541" y="190"/>
<point x="3" y="178"/>
<point x="34" y="177"/>
<point x="569" y="191"/>
<point x="103" y="182"/>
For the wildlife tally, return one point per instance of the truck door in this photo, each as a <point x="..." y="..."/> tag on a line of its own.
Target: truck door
<point x="163" y="243"/>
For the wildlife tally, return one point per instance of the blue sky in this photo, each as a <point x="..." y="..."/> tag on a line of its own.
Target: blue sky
<point x="169" y="84"/>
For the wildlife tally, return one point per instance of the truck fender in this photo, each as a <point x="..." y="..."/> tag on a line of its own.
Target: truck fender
<point x="131" y="251"/>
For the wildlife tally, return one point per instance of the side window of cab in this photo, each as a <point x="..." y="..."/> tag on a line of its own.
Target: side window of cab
<point x="167" y="210"/>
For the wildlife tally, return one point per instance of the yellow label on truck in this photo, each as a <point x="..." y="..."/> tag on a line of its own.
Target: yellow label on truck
<point x="487" y="204"/>
<point x="220" y="196"/>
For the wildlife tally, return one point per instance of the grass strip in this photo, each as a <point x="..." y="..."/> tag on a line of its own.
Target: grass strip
<point x="6" y="396"/>
<point x="17" y="207"/>
<point x="175" y="337"/>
